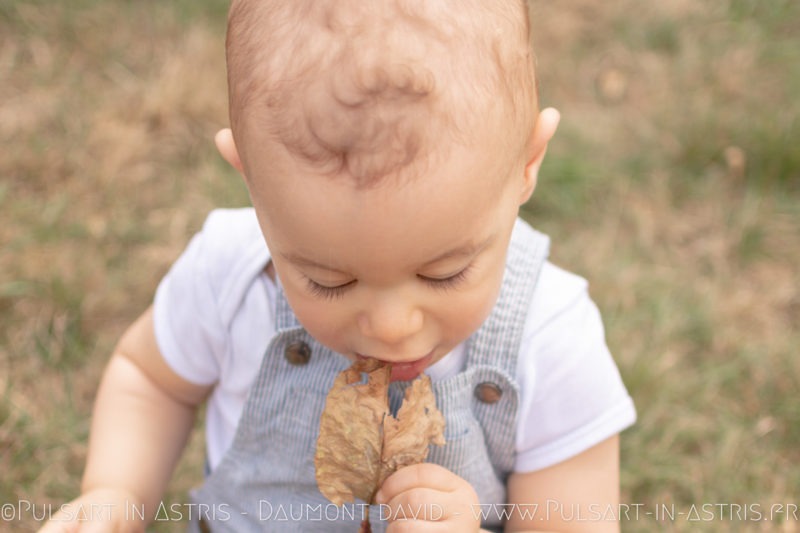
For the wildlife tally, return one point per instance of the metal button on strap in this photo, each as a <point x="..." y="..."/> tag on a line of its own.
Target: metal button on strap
<point x="488" y="392"/>
<point x="297" y="353"/>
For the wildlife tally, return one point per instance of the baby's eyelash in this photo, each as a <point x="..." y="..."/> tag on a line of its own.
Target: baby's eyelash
<point x="334" y="293"/>
<point x="328" y="293"/>
<point x="449" y="282"/>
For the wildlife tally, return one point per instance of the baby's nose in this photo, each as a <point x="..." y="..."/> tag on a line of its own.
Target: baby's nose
<point x="391" y="323"/>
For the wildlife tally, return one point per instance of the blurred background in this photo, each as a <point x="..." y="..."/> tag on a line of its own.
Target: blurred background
<point x="673" y="185"/>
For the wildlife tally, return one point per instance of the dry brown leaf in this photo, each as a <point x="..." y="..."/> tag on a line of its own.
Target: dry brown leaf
<point x="360" y="443"/>
<point x="351" y="433"/>
<point x="418" y="423"/>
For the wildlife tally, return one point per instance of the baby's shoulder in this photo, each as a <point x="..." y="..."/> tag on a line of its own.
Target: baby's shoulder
<point x="229" y="252"/>
<point x="228" y="232"/>
<point x="557" y="291"/>
<point x="229" y="237"/>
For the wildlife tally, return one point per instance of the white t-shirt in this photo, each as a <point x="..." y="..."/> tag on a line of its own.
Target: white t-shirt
<point x="213" y="316"/>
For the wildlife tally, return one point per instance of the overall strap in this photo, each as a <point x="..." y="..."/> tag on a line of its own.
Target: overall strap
<point x="497" y="341"/>
<point x="487" y="391"/>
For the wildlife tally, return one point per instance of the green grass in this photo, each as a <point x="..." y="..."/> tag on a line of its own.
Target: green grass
<point x="109" y="111"/>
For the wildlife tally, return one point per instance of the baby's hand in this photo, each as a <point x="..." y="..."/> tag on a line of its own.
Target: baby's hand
<point x="428" y="497"/>
<point x="97" y="511"/>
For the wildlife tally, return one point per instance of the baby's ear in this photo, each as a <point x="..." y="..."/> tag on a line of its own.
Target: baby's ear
<point x="227" y="149"/>
<point x="545" y="128"/>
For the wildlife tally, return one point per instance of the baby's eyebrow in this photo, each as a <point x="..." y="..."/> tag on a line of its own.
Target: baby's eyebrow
<point x="465" y="250"/>
<point x="299" y="260"/>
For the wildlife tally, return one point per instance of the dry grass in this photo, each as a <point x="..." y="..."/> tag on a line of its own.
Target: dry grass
<point x="673" y="185"/>
<point x="106" y="122"/>
<point x="682" y="211"/>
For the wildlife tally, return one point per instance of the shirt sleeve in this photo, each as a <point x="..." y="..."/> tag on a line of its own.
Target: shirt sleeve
<point x="572" y="395"/>
<point x="188" y="329"/>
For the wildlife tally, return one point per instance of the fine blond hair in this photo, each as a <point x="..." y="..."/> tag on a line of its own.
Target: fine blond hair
<point x="366" y="87"/>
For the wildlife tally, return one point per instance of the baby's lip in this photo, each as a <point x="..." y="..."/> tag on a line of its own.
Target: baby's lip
<point x="389" y="362"/>
<point x="405" y="370"/>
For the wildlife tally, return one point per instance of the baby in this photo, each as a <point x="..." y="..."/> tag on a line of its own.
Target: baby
<point x="387" y="146"/>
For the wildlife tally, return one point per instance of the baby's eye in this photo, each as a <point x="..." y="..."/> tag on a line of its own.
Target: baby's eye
<point x="329" y="293"/>
<point x="446" y="283"/>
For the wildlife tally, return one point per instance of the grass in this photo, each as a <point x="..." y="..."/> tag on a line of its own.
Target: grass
<point x="673" y="185"/>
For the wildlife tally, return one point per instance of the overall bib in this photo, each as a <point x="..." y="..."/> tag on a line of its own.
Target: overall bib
<point x="266" y="480"/>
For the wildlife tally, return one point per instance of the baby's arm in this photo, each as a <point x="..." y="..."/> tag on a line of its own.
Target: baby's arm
<point x="579" y="494"/>
<point x="142" y="418"/>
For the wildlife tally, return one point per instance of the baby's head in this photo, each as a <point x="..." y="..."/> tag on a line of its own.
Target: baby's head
<point x="386" y="146"/>
<point x="373" y="90"/>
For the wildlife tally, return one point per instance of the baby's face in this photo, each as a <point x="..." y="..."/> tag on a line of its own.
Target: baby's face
<point x="401" y="272"/>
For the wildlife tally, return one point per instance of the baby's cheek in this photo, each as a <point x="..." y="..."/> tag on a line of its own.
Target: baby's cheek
<point x="329" y="334"/>
<point x="318" y="330"/>
<point x="313" y="316"/>
<point x="475" y="309"/>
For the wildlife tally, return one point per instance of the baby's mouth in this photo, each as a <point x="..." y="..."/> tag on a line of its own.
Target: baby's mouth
<point x="405" y="370"/>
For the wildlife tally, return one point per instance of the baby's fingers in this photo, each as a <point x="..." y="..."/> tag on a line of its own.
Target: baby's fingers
<point x="428" y="497"/>
<point x="416" y="504"/>
<point x="427" y="510"/>
<point x="424" y="475"/>
<point x="416" y="526"/>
